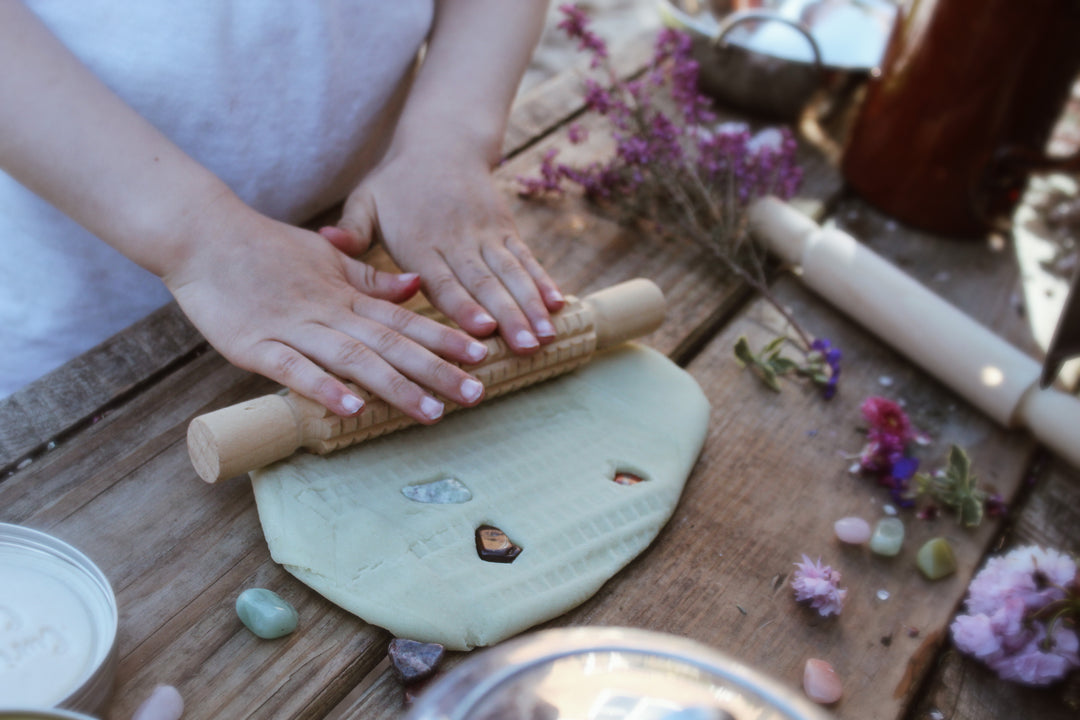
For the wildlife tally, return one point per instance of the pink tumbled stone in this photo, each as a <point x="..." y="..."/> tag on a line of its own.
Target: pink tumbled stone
<point x="164" y="703"/>
<point x="821" y="683"/>
<point x="853" y="530"/>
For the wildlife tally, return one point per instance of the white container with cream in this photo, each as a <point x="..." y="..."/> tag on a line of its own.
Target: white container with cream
<point x="58" y="624"/>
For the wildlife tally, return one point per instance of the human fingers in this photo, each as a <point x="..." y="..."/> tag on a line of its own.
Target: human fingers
<point x="446" y="293"/>
<point x="358" y="228"/>
<point x="549" y="291"/>
<point x="441" y="339"/>
<point x="392" y="366"/>
<point x="288" y="366"/>
<point x="393" y="287"/>
<point x="522" y="291"/>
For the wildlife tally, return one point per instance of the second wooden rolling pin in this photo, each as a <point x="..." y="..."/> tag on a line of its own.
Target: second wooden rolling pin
<point x="974" y="362"/>
<point x="240" y="438"/>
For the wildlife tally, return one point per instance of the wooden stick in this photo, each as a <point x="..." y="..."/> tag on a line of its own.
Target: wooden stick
<point x="240" y="438"/>
<point x="980" y="366"/>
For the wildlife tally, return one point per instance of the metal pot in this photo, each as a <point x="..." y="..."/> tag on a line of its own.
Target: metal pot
<point x="770" y="60"/>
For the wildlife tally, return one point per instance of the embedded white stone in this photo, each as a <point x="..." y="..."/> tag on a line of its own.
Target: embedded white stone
<point x="447" y="491"/>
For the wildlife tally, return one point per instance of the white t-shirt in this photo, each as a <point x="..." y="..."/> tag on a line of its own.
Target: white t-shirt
<point x="289" y="102"/>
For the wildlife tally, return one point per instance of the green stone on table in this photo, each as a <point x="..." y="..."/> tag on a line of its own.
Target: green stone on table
<point x="936" y="559"/>
<point x="888" y="537"/>
<point x="266" y="613"/>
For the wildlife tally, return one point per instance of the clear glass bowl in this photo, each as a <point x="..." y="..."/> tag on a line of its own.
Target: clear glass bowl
<point x="607" y="674"/>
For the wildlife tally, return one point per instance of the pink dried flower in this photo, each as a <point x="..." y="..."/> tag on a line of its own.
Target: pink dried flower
<point x="1021" y="615"/>
<point x="887" y="419"/>
<point x="819" y="585"/>
<point x="884" y="455"/>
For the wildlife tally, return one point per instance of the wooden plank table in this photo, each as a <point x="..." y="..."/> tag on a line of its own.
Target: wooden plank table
<point x="95" y="454"/>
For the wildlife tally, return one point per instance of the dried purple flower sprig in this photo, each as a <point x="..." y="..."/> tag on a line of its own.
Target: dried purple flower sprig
<point x="678" y="171"/>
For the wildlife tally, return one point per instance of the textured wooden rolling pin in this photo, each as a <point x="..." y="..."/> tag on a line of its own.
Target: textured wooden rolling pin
<point x="240" y="438"/>
<point x="974" y="362"/>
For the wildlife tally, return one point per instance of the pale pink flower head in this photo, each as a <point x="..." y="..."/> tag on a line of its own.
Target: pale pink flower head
<point x="1040" y="662"/>
<point x="1017" y="618"/>
<point x="819" y="585"/>
<point x="975" y="635"/>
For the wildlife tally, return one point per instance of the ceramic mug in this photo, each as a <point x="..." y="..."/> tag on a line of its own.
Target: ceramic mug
<point x="959" y="116"/>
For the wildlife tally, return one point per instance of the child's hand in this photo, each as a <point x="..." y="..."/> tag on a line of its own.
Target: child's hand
<point x="283" y="302"/>
<point x="439" y="214"/>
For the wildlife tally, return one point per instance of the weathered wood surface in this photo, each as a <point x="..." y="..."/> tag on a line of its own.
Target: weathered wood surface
<point x="85" y="387"/>
<point x="772" y="479"/>
<point x="178" y="551"/>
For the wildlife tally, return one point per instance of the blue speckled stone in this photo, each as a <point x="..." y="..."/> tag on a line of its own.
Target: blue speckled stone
<point x="266" y="613"/>
<point x="888" y="536"/>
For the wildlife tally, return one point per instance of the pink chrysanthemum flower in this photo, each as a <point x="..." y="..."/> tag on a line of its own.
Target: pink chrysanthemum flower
<point x="1021" y="616"/>
<point x="819" y="585"/>
<point x="887" y="418"/>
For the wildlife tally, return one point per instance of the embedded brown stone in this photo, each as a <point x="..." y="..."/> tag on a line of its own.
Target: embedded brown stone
<point x="493" y="545"/>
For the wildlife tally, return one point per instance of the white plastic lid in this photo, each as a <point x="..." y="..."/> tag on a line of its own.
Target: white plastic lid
<point x="58" y="621"/>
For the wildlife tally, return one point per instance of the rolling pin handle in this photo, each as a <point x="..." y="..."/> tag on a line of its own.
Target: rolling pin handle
<point x="234" y="439"/>
<point x="1053" y="417"/>
<point x="782" y="228"/>
<point x="629" y="310"/>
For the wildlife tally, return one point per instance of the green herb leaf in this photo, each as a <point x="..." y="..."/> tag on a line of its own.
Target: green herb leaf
<point x="743" y="353"/>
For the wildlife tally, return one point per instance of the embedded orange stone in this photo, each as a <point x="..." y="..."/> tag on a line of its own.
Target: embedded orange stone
<point x="493" y="545"/>
<point x="625" y="478"/>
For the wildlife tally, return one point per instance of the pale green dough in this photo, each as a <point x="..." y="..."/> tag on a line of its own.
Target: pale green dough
<point x="539" y="465"/>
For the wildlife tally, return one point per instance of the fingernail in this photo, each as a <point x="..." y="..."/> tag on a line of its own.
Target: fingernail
<point x="407" y="278"/>
<point x="351" y="404"/>
<point x="526" y="339"/>
<point x="431" y="408"/>
<point x="471" y="389"/>
<point x="476" y="351"/>
<point x="482" y="318"/>
<point x="544" y="328"/>
<point x="555" y="296"/>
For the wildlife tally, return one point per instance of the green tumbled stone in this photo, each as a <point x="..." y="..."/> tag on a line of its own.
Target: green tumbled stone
<point x="936" y="559"/>
<point x="888" y="536"/>
<point x="266" y="613"/>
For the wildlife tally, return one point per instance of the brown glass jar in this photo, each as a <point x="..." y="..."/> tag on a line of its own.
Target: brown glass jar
<point x="960" y="113"/>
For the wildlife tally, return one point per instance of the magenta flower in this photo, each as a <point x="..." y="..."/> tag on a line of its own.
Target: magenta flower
<point x="887" y="418"/>
<point x="819" y="585"/>
<point x="885" y="455"/>
<point x="1021" y="615"/>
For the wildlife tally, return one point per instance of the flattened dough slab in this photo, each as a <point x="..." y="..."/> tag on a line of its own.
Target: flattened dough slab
<point x="539" y="465"/>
